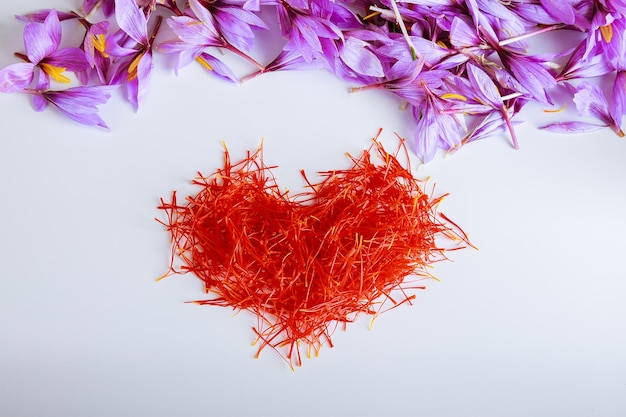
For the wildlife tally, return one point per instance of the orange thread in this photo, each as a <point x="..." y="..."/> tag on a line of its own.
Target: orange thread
<point x="306" y="263"/>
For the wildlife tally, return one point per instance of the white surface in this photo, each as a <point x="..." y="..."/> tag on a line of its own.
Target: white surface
<point x="532" y="324"/>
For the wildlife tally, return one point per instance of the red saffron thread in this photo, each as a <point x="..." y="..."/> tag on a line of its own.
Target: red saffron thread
<point x="304" y="264"/>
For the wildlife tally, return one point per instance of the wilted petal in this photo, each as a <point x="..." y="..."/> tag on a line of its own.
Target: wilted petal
<point x="16" y="77"/>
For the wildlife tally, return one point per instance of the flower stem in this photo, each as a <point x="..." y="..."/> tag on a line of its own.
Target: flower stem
<point x="405" y="33"/>
<point x="529" y="35"/>
<point x="245" y="56"/>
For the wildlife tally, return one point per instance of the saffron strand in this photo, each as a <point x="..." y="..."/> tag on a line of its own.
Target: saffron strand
<point x="353" y="243"/>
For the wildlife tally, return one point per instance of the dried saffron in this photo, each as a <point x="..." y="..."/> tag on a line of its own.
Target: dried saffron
<point x="305" y="263"/>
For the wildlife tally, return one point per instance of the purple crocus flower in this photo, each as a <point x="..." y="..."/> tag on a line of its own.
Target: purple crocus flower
<point x="197" y="32"/>
<point x="310" y="30"/>
<point x="78" y="103"/>
<point x="134" y="44"/>
<point x="235" y="23"/>
<point x="43" y="57"/>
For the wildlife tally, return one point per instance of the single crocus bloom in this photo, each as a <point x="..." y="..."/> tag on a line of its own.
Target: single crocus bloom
<point x="43" y="58"/>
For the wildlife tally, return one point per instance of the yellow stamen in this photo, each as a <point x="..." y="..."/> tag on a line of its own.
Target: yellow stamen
<point x="204" y="63"/>
<point x="132" y="68"/>
<point x="557" y="110"/>
<point x="607" y="32"/>
<point x="369" y="16"/>
<point x="453" y="95"/>
<point x="99" y="42"/>
<point x="55" y="72"/>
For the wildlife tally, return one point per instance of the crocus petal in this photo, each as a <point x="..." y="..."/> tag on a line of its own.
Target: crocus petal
<point x="131" y="20"/>
<point x="186" y="53"/>
<point x="89" y="5"/>
<point x="356" y="55"/>
<point x="484" y="87"/>
<point x="619" y="96"/>
<point x="37" y="42"/>
<point x="590" y="100"/>
<point x="572" y="127"/>
<point x="53" y="27"/>
<point x="137" y="88"/>
<point x="41" y="15"/>
<point x="562" y="10"/>
<point x="16" y="77"/>
<point x="72" y="59"/>
<point x="39" y="103"/>
<point x="80" y="103"/>
<point x="190" y="30"/>
<point x="220" y="69"/>
<point x="534" y="77"/>
<point x="462" y="34"/>
<point x="237" y="24"/>
<point x="426" y="137"/>
<point x="203" y="15"/>
<point x="594" y="65"/>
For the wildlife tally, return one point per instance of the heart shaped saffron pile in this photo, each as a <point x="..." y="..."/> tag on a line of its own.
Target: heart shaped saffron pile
<point x="307" y="262"/>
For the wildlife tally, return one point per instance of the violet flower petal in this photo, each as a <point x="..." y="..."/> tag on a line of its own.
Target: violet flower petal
<point x="132" y="20"/>
<point x="38" y="42"/>
<point x="80" y="103"/>
<point x="572" y="127"/>
<point x="16" y="77"/>
<point x="356" y="54"/>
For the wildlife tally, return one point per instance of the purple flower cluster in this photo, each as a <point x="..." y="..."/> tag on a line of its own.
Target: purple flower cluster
<point x="462" y="67"/>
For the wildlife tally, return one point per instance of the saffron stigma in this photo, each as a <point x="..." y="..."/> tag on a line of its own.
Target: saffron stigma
<point x="360" y="241"/>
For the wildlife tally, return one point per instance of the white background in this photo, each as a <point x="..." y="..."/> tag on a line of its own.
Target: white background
<point x="531" y="324"/>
